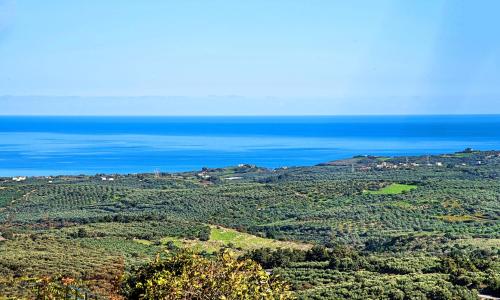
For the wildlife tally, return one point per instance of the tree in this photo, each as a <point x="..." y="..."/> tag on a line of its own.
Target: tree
<point x="191" y="276"/>
<point x="204" y="234"/>
<point x="317" y="253"/>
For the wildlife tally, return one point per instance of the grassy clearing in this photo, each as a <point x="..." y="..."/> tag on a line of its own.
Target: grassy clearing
<point x="383" y="158"/>
<point x="143" y="242"/>
<point x="225" y="237"/>
<point x="393" y="189"/>
<point x="249" y="241"/>
<point x="482" y="243"/>
<point x="453" y="219"/>
<point x="401" y="204"/>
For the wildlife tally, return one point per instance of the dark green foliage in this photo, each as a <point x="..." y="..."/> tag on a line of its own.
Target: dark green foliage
<point x="269" y="258"/>
<point x="204" y="233"/>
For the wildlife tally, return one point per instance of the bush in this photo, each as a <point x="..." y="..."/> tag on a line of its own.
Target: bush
<point x="192" y="276"/>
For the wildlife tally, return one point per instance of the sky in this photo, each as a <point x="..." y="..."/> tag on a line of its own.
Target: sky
<point x="259" y="57"/>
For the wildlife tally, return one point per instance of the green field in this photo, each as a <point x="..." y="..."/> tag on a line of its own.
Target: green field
<point x="393" y="189"/>
<point x="248" y="241"/>
<point x="225" y="237"/>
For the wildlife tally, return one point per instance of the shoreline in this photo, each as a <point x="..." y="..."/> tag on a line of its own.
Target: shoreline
<point x="345" y="162"/>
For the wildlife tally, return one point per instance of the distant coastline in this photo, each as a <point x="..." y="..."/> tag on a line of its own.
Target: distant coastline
<point x="359" y="163"/>
<point x="89" y="145"/>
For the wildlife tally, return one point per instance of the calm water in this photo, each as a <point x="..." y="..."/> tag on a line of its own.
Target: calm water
<point x="89" y="145"/>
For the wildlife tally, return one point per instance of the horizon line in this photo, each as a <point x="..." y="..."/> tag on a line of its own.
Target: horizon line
<point x="256" y="115"/>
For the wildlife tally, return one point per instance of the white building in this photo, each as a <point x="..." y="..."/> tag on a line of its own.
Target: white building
<point x="20" y="178"/>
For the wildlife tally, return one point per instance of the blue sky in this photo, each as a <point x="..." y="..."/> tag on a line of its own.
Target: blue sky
<point x="249" y="57"/>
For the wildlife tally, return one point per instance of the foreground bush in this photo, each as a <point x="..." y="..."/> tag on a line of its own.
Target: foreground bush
<point x="191" y="276"/>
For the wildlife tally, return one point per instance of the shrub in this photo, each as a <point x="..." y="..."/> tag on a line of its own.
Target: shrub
<point x="191" y="276"/>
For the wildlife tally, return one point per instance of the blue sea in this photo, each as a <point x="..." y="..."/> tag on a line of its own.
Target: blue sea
<point x="89" y="145"/>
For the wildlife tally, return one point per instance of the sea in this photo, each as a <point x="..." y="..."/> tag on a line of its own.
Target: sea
<point x="40" y="146"/>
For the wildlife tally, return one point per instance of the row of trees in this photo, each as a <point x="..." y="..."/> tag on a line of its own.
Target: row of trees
<point x="460" y="270"/>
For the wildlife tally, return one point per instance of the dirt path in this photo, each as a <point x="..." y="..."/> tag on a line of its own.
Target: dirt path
<point x="488" y="297"/>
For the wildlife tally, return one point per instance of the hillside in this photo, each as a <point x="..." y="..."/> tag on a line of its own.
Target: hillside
<point x="419" y="226"/>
